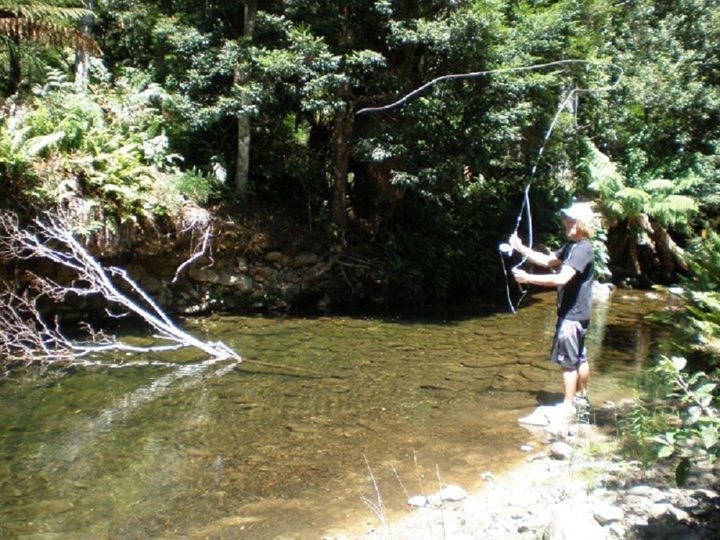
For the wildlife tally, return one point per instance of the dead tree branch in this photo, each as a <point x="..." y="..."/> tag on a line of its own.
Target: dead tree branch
<point x="24" y="333"/>
<point x="195" y="256"/>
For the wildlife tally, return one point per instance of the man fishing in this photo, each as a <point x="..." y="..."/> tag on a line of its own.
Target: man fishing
<point x="573" y="280"/>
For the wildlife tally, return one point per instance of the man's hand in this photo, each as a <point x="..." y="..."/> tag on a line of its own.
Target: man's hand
<point x="515" y="242"/>
<point x="521" y="276"/>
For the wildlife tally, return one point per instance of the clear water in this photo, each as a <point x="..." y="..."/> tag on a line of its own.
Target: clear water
<point x="326" y="416"/>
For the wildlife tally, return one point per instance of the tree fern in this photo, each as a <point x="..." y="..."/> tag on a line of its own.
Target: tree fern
<point x="49" y="23"/>
<point x="603" y="175"/>
<point x="634" y="201"/>
<point x="46" y="22"/>
<point x="673" y="210"/>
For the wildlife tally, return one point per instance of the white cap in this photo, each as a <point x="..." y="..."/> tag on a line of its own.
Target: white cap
<point x="579" y="211"/>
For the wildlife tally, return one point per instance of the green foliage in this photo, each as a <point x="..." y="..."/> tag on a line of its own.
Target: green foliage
<point x="694" y="402"/>
<point x="71" y="10"/>
<point x="457" y="157"/>
<point x="106" y="149"/>
<point x="702" y="312"/>
<point x="636" y="430"/>
<point x="441" y="256"/>
<point x="196" y="186"/>
<point x="664" y="200"/>
<point x="691" y="402"/>
<point x="50" y="24"/>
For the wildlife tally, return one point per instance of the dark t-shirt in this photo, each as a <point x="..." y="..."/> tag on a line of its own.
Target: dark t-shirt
<point x="574" y="300"/>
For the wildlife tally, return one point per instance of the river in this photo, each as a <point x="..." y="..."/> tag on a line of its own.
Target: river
<point x="327" y="419"/>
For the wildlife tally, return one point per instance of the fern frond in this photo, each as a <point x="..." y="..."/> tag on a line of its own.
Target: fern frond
<point x="603" y="174"/>
<point x="43" y="10"/>
<point x="633" y="200"/>
<point x="18" y="135"/>
<point x="36" y="145"/>
<point x="673" y="209"/>
<point x="660" y="185"/>
<point x="49" y="33"/>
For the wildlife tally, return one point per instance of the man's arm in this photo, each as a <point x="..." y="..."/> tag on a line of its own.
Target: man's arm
<point x="565" y="274"/>
<point x="536" y="257"/>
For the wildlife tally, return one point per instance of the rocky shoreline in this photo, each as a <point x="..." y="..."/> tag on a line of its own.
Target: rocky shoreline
<point x="575" y="486"/>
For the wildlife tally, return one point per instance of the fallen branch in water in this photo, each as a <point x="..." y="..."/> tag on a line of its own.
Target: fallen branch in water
<point x="26" y="335"/>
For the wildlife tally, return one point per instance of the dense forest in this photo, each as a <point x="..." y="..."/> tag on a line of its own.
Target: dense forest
<point x="130" y="106"/>
<point x="411" y="137"/>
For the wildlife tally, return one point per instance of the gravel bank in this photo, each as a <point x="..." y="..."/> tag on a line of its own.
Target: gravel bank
<point x="574" y="487"/>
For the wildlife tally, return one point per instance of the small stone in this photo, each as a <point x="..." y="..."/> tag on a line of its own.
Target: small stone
<point x="560" y="450"/>
<point x="527" y="448"/>
<point x="273" y="256"/>
<point x="616" y="530"/>
<point x="434" y="500"/>
<point x="418" y="501"/>
<point x="660" y="509"/>
<point x="570" y="522"/>
<point x="452" y="493"/>
<point x="305" y="259"/>
<point x="605" y="513"/>
<point x="641" y="491"/>
<point x="680" y="515"/>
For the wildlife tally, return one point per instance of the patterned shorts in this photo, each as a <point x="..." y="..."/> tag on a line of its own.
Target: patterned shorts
<point x="568" y="349"/>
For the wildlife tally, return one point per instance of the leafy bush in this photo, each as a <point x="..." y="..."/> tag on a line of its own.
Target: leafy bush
<point x="694" y="405"/>
<point x="106" y="148"/>
<point x="690" y="401"/>
<point x="636" y="430"/>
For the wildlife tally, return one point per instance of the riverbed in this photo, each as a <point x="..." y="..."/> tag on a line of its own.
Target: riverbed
<point x="327" y="420"/>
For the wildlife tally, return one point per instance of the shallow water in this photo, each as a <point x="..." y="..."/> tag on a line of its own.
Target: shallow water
<point x="328" y="419"/>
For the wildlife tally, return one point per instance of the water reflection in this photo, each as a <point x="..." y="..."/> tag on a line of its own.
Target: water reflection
<point x="287" y="442"/>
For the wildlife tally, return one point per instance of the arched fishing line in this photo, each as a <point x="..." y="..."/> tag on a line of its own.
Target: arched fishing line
<point x="477" y="74"/>
<point x="504" y="249"/>
<point x="525" y="206"/>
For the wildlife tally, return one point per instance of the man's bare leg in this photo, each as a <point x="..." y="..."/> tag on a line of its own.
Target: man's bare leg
<point x="583" y="376"/>
<point x="570" y="384"/>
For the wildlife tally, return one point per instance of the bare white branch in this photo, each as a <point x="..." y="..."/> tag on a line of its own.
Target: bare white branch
<point x="25" y="335"/>
<point x="198" y="253"/>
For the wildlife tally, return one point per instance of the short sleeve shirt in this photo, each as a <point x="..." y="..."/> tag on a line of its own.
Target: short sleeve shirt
<point x="574" y="300"/>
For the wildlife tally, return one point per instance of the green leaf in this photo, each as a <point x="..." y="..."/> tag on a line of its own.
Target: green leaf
<point x="694" y="414"/>
<point x="35" y="145"/>
<point x="709" y="436"/>
<point x="678" y="363"/>
<point x="706" y="389"/>
<point x="665" y="451"/>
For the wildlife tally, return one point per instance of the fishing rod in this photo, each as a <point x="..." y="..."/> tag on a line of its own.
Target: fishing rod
<point x="504" y="249"/>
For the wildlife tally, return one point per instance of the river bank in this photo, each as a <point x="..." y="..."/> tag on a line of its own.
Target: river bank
<point x="573" y="484"/>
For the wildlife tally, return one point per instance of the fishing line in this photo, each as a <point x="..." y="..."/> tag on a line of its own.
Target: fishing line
<point x="572" y="94"/>
<point x="477" y="74"/>
<point x="506" y="249"/>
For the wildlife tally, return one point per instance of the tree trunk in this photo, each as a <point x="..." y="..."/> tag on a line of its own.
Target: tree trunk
<point x="670" y="253"/>
<point x="633" y="249"/>
<point x="14" y="69"/>
<point x="340" y="143"/>
<point x="82" y="56"/>
<point x="242" y="164"/>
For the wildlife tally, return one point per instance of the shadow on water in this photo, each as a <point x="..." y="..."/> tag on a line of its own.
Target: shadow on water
<point x="287" y="442"/>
